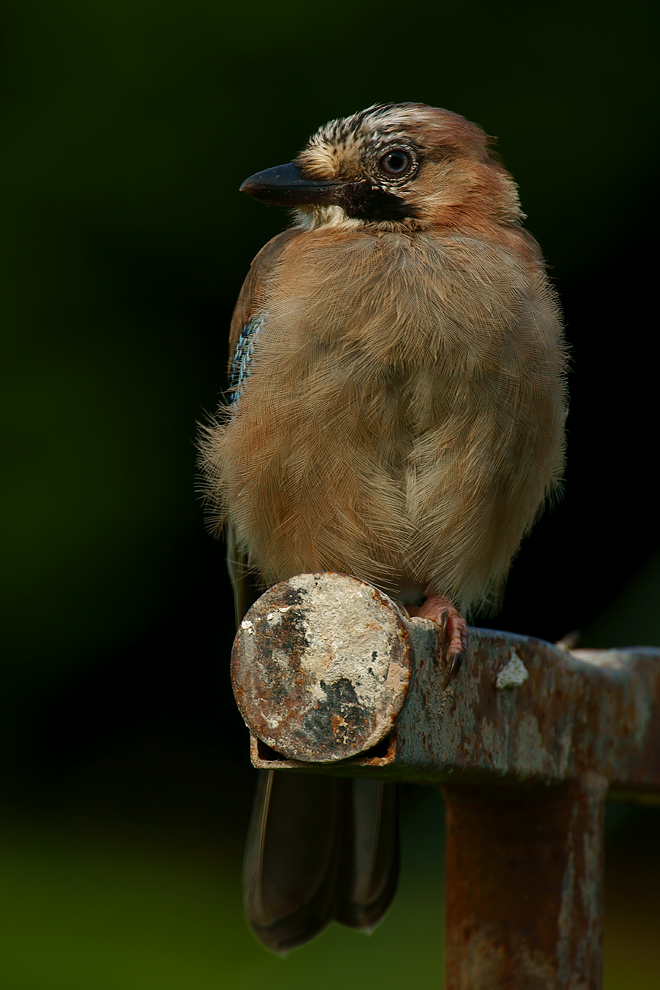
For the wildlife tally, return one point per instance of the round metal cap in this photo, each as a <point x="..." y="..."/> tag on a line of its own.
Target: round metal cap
<point x="321" y="667"/>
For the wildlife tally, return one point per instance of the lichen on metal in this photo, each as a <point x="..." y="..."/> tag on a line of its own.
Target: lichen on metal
<point x="526" y="742"/>
<point x="513" y="675"/>
<point x="309" y="687"/>
<point x="321" y="667"/>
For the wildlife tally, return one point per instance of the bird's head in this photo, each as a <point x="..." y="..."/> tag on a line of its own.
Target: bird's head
<point x="393" y="166"/>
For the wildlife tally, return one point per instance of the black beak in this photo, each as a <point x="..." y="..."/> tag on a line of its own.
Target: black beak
<point x="285" y="185"/>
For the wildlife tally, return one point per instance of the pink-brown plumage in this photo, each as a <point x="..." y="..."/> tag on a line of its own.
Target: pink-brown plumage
<point x="403" y="418"/>
<point x="403" y="421"/>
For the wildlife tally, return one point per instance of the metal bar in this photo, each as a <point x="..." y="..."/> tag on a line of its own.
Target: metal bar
<point x="527" y="741"/>
<point x="520" y="710"/>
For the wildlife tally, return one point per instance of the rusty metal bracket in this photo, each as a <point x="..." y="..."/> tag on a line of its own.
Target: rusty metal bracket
<point x="527" y="741"/>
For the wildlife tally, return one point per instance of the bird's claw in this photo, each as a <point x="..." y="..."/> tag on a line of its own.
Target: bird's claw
<point x="453" y="665"/>
<point x="442" y="623"/>
<point x="452" y="632"/>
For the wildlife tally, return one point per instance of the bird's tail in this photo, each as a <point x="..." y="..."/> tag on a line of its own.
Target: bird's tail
<point x="319" y="849"/>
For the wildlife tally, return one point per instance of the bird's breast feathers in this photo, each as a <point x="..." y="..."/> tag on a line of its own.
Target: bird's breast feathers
<point x="359" y="309"/>
<point x="397" y="400"/>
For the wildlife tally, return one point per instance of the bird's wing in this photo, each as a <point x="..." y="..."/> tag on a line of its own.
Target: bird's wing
<point x="246" y="319"/>
<point x="237" y="567"/>
<point x="252" y="296"/>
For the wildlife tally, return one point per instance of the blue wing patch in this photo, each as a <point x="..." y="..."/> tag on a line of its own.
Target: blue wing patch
<point x="240" y="366"/>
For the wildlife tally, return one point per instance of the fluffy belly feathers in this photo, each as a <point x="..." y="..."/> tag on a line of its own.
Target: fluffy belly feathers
<point x="407" y="434"/>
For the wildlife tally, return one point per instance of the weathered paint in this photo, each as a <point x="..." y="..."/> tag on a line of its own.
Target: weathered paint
<point x="583" y="712"/>
<point x="321" y="667"/>
<point x="526" y="741"/>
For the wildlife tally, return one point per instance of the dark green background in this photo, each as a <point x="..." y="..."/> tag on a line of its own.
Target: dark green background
<point x="126" y="129"/>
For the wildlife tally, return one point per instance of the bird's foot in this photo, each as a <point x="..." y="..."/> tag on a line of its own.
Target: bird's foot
<point x="452" y="631"/>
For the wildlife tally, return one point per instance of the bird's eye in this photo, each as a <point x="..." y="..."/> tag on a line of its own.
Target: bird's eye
<point x="396" y="162"/>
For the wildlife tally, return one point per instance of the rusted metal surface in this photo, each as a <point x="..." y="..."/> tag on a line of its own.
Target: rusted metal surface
<point x="519" y="710"/>
<point x="527" y="741"/>
<point x="524" y="897"/>
<point x="321" y="667"/>
<point x="588" y="712"/>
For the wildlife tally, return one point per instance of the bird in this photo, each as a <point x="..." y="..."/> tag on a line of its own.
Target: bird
<point x="395" y="412"/>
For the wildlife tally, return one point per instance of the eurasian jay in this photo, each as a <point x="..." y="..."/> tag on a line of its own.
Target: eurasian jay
<point x="395" y="412"/>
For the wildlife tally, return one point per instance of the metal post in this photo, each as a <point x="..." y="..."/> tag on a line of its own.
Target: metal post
<point x="524" y="897"/>
<point x="526" y="742"/>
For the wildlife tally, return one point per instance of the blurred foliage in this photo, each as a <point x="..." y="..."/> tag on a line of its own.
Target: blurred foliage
<point x="126" y="130"/>
<point x="90" y="912"/>
<point x="108" y="915"/>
